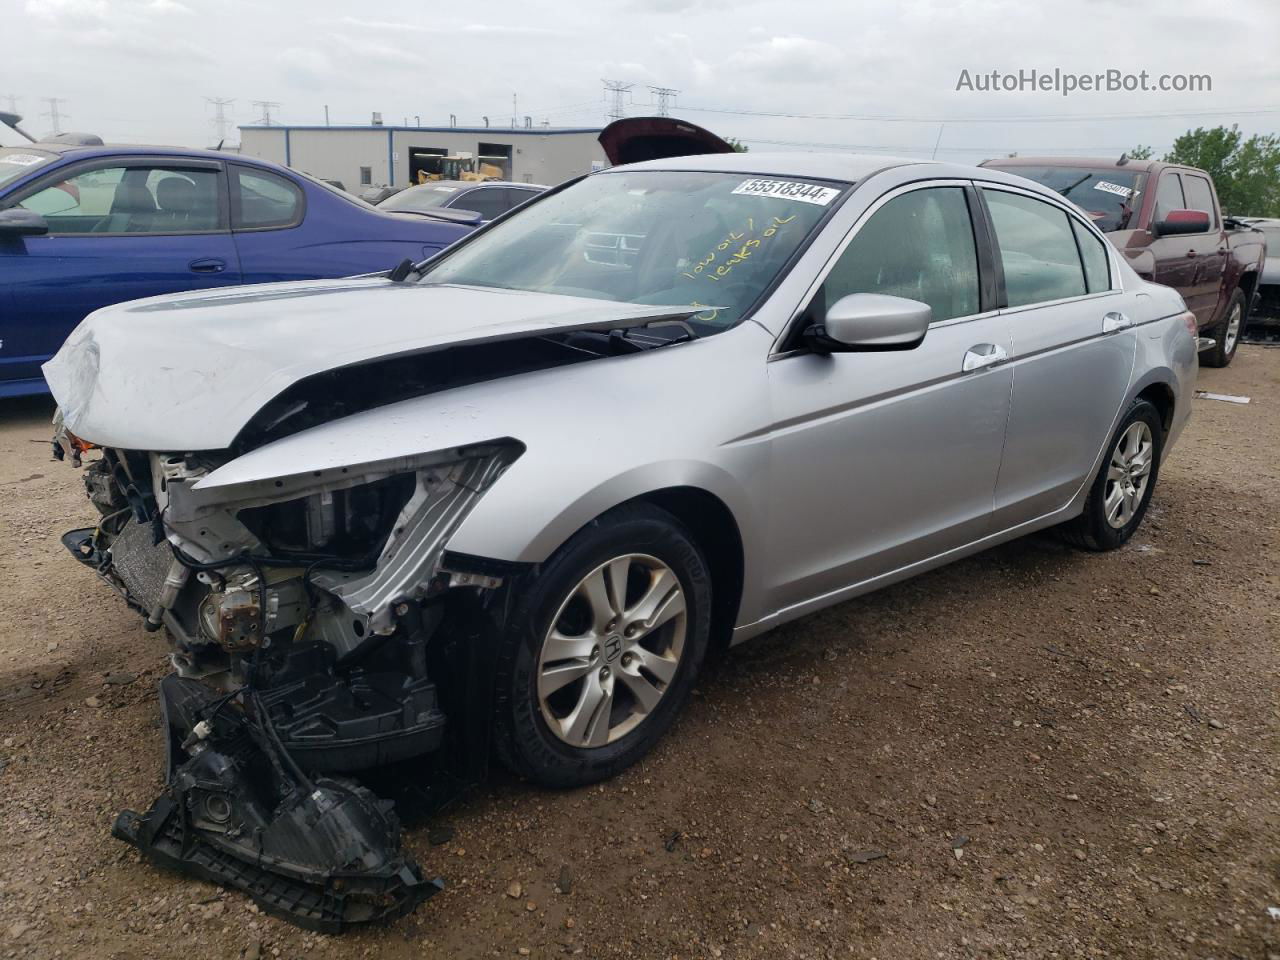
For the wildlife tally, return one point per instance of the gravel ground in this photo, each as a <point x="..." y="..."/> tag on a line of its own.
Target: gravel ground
<point x="1032" y="753"/>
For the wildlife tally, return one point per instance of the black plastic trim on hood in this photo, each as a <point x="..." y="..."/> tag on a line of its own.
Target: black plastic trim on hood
<point x="634" y="139"/>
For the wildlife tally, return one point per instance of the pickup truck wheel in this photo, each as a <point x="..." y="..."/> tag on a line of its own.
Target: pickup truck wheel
<point x="604" y="642"/>
<point x="1122" y="489"/>
<point x="1227" y="333"/>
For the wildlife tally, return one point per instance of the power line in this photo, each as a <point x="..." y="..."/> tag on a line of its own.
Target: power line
<point x="220" y="119"/>
<point x="265" y="106"/>
<point x="666" y="96"/>
<point x="55" y="117"/>
<point x="617" y="89"/>
<point x="1046" y="118"/>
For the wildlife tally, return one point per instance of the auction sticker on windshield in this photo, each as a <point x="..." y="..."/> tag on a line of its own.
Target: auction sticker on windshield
<point x="22" y="159"/>
<point x="788" y="190"/>
<point x="1108" y="187"/>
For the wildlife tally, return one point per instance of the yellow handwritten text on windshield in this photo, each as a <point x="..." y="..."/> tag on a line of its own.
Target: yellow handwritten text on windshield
<point x="737" y="247"/>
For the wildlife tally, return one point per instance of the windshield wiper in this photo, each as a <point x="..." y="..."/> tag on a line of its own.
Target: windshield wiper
<point x="1076" y="184"/>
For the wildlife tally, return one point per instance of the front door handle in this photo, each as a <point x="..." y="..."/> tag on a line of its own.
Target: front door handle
<point x="207" y="265"/>
<point x="983" y="355"/>
<point x="1115" y="322"/>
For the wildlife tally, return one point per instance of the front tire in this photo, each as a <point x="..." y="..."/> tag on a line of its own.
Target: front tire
<point x="1227" y="332"/>
<point x="603" y="646"/>
<point x="1121" y="491"/>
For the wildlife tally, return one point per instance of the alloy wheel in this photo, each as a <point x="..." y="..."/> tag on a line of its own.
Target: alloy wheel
<point x="612" y="650"/>
<point x="1233" y="329"/>
<point x="1128" y="474"/>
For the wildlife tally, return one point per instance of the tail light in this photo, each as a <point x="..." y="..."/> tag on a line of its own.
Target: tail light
<point x="1189" y="319"/>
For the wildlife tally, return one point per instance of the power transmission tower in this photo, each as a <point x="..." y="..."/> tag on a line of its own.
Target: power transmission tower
<point x="55" y="117"/>
<point x="618" y="90"/>
<point x="13" y="102"/>
<point x="265" y="106"/>
<point x="220" y="119"/>
<point x="666" y="96"/>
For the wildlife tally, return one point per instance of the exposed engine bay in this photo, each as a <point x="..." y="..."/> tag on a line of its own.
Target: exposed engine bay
<point x="300" y="617"/>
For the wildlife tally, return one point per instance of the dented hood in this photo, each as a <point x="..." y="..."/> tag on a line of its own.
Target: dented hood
<point x="188" y="372"/>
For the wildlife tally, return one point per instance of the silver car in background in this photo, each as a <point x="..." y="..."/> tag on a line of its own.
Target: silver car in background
<point x="811" y="376"/>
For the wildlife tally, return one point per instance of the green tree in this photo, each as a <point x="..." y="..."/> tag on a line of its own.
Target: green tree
<point x="1140" y="152"/>
<point x="738" y="145"/>
<point x="1246" y="172"/>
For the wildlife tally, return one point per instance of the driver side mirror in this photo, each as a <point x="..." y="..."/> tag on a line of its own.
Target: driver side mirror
<point x="20" y="222"/>
<point x="1178" y="222"/>
<point x="870" y="321"/>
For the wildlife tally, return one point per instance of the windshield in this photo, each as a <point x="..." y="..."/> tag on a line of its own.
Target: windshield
<point x="1109" y="196"/>
<point x="419" y="198"/>
<point x="713" y="240"/>
<point x="16" y="161"/>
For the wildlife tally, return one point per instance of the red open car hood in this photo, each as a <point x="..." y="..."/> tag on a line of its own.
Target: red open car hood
<point x="654" y="138"/>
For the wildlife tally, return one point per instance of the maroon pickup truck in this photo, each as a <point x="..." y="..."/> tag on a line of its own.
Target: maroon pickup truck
<point x="1166" y="220"/>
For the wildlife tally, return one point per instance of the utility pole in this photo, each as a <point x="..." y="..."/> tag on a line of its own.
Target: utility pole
<point x="220" y="119"/>
<point x="326" y="114"/>
<point x="54" y="115"/>
<point x="666" y="96"/>
<point x="265" y="106"/>
<point x="13" y="102"/>
<point x="515" y="112"/>
<point x="617" y="90"/>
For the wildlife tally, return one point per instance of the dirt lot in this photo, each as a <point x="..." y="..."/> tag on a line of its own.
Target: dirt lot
<point x="1032" y="753"/>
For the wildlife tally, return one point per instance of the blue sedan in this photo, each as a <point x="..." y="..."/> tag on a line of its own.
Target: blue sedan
<point x="82" y="227"/>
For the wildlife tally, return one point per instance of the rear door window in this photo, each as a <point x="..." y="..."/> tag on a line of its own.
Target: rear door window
<point x="1093" y="254"/>
<point x="264" y="200"/>
<point x="1037" y="249"/>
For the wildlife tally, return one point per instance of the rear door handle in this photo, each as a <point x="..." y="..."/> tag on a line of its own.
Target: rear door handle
<point x="1114" y="322"/>
<point x="983" y="355"/>
<point x="207" y="265"/>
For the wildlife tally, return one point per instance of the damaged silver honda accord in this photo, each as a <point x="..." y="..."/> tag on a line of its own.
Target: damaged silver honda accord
<point x="503" y="502"/>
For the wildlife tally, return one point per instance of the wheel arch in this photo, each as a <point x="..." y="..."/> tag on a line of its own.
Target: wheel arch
<point x="1160" y="394"/>
<point x="706" y="498"/>
<point x="715" y="530"/>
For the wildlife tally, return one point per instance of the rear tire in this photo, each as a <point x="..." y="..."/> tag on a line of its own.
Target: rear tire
<point x="585" y="688"/>
<point x="1227" y="332"/>
<point x="1121" y="491"/>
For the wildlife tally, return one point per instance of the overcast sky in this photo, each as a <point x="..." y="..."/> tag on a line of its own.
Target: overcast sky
<point x="140" y="70"/>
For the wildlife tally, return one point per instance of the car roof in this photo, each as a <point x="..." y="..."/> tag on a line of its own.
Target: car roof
<point x="143" y="150"/>
<point x="1130" y="164"/>
<point x="478" y="183"/>
<point x="829" y="166"/>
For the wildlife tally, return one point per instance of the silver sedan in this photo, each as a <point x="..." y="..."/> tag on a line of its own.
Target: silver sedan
<point x="669" y="405"/>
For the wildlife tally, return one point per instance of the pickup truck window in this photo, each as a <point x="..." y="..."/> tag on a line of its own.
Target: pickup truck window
<point x="1169" y="195"/>
<point x="1110" y="196"/>
<point x="1199" y="196"/>
<point x="1037" y="248"/>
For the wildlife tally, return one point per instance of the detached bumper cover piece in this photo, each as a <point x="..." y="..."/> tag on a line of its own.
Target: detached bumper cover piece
<point x="324" y="854"/>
